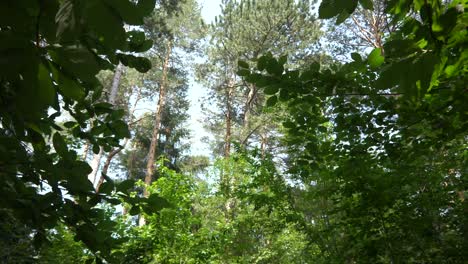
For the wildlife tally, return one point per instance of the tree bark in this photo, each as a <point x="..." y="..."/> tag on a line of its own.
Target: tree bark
<point x="112" y="98"/>
<point x="115" y="151"/>
<point x="227" y="136"/>
<point x="157" y="125"/>
<point x="85" y="150"/>
<point x="247" y="112"/>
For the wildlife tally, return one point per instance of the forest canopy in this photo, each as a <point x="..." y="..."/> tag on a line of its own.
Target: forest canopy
<point x="337" y="131"/>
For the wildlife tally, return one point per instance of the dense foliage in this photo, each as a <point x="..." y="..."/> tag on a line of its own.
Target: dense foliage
<point x="332" y="144"/>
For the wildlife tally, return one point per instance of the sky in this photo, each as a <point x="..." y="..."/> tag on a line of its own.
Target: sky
<point x="196" y="93"/>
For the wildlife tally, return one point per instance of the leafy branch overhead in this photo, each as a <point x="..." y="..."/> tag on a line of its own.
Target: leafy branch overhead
<point x="340" y="138"/>
<point x="51" y="53"/>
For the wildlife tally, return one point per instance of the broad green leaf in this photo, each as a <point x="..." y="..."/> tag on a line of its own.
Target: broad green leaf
<point x="271" y="101"/>
<point x="243" y="64"/>
<point x="105" y="23"/>
<point x="400" y="47"/>
<point x="274" y="67"/>
<point x="243" y="72"/>
<point x="367" y="4"/>
<point x="289" y="124"/>
<point x="155" y="203"/>
<point x="76" y="61"/>
<point x="103" y="107"/>
<point x="350" y="5"/>
<point x="46" y="92"/>
<point x="262" y="62"/>
<point x="356" y="57"/>
<point x="284" y="95"/>
<point x="134" y="210"/>
<point x="70" y="124"/>
<point x="375" y="58"/>
<point x="125" y="185"/>
<point x="132" y="13"/>
<point x="145" y="7"/>
<point x="329" y="9"/>
<point x="283" y="59"/>
<point x="138" y="42"/>
<point x="96" y="148"/>
<point x="59" y="144"/>
<point x="141" y="64"/>
<point x="120" y="129"/>
<point x="106" y="187"/>
<point x="270" y="90"/>
<point x="67" y="87"/>
<point x="342" y="17"/>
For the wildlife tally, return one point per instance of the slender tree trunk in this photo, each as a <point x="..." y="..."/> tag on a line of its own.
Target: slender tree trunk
<point x="109" y="158"/>
<point x="115" y="151"/>
<point x="115" y="84"/>
<point x="247" y="113"/>
<point x="112" y="98"/>
<point x="95" y="162"/>
<point x="227" y="136"/>
<point x="157" y="125"/>
<point x="85" y="151"/>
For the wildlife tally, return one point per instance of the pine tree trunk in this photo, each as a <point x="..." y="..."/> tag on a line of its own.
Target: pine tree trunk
<point x="157" y="125"/>
<point x="227" y="136"/>
<point x="247" y="113"/>
<point x="95" y="162"/>
<point x="115" y="151"/>
<point x="85" y="151"/>
<point x="112" y="98"/>
<point x="109" y="158"/>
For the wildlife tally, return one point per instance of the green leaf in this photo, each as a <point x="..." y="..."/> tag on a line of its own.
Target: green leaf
<point x="141" y="64"/>
<point x="356" y="57"/>
<point x="145" y="7"/>
<point x="46" y="94"/>
<point x="138" y="42"/>
<point x="284" y="95"/>
<point x="262" y="62"/>
<point x="400" y="47"/>
<point x="134" y="210"/>
<point x="274" y="67"/>
<point x="107" y="187"/>
<point x="59" y="144"/>
<point x="67" y="87"/>
<point x="349" y="5"/>
<point x="342" y="17"/>
<point x="243" y="64"/>
<point x="375" y="58"/>
<point x="70" y="124"/>
<point x="270" y="90"/>
<point x="271" y="101"/>
<point x="450" y="70"/>
<point x="76" y="61"/>
<point x="131" y="13"/>
<point x="104" y="21"/>
<point x="155" y="203"/>
<point x="96" y="148"/>
<point x="125" y="185"/>
<point x="283" y="59"/>
<point x="328" y="9"/>
<point x="120" y="129"/>
<point x="103" y="107"/>
<point x="289" y="124"/>
<point x="367" y="4"/>
<point x="243" y="72"/>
